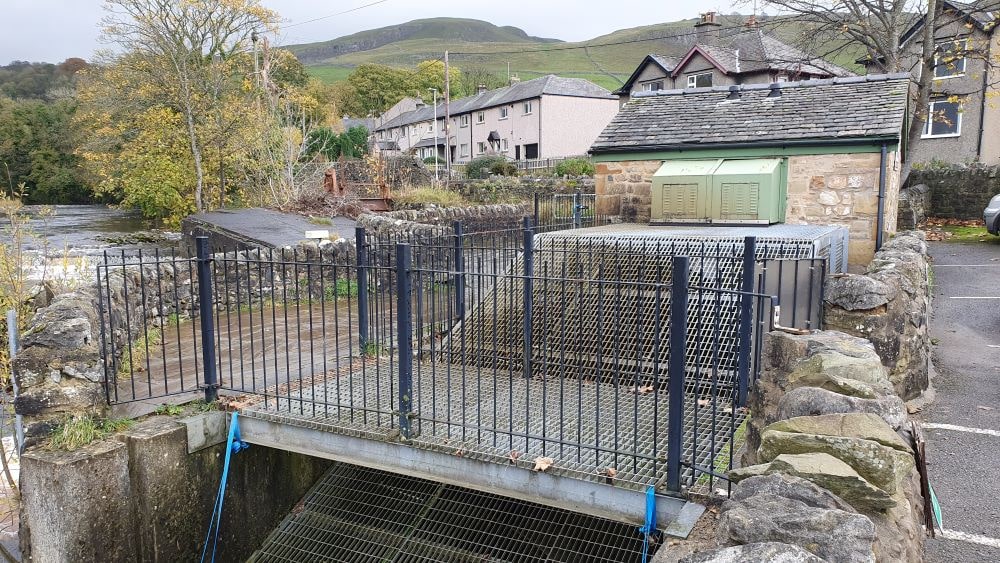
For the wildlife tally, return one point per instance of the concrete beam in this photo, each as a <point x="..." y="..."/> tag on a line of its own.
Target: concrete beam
<point x="553" y="490"/>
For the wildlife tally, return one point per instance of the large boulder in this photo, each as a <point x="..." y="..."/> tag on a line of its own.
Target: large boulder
<point x="880" y="465"/>
<point x="790" y="487"/>
<point x="825" y="471"/>
<point x="812" y="401"/>
<point x="832" y="534"/>
<point x="764" y="552"/>
<point x="856" y="292"/>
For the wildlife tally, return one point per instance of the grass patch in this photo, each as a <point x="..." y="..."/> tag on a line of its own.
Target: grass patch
<point x="419" y="197"/>
<point x="80" y="431"/>
<point x="372" y="350"/>
<point x="169" y="410"/>
<point x="724" y="457"/>
<point x="133" y="357"/>
<point x="323" y="221"/>
<point x="342" y="289"/>
<point x="963" y="233"/>
<point x="193" y="407"/>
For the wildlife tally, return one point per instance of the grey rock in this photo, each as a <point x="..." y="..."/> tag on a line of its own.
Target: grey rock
<point x="852" y="425"/>
<point x="812" y="401"/>
<point x="856" y="292"/>
<point x="764" y="552"/>
<point x="831" y="534"/>
<point x="790" y="487"/>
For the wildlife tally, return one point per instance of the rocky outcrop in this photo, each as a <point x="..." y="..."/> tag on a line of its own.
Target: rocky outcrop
<point x="889" y="305"/>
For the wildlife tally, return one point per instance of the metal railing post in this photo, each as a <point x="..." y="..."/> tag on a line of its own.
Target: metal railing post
<point x="404" y="338"/>
<point x="675" y="371"/>
<point x="577" y="208"/>
<point x="459" y="272"/>
<point x="205" y="312"/>
<point x="537" y="202"/>
<point x="529" y="269"/>
<point x="362" y="274"/>
<point x="746" y="322"/>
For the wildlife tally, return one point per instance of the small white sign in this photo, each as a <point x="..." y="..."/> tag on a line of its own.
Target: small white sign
<point x="317" y="234"/>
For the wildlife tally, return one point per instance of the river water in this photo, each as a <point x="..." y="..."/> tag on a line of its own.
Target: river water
<point x="65" y="241"/>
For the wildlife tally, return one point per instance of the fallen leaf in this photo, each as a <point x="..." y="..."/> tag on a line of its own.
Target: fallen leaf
<point x="514" y="455"/>
<point x="459" y="452"/>
<point x="704" y="402"/>
<point x="543" y="463"/>
<point x="912" y="409"/>
<point x="643" y="389"/>
<point x="609" y="474"/>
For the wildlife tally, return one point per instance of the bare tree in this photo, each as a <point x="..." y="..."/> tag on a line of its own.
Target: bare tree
<point x="176" y="46"/>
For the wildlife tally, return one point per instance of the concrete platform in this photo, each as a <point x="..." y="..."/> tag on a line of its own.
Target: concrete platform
<point x="258" y="227"/>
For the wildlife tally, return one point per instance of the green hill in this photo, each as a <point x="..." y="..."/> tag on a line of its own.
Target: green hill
<point x="607" y="60"/>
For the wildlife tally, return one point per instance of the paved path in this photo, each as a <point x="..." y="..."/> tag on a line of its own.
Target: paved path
<point x="963" y="423"/>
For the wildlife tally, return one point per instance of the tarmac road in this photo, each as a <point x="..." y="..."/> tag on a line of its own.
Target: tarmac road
<point x="964" y="453"/>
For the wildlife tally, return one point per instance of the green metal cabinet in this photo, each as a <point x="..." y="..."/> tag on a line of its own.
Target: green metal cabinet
<point x="719" y="191"/>
<point x="681" y="191"/>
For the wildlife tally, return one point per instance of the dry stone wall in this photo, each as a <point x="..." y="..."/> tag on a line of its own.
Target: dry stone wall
<point x="829" y="470"/>
<point x="889" y="305"/>
<point x="959" y="191"/>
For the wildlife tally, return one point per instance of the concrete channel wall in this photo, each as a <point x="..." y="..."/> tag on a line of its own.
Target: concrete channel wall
<point x="147" y="494"/>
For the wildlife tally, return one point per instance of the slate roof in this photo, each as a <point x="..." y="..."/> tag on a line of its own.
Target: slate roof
<point x="666" y="64"/>
<point x="550" y="85"/>
<point x="859" y="107"/>
<point x="752" y="50"/>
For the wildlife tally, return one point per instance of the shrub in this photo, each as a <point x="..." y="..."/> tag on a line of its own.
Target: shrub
<point x="575" y="167"/>
<point x="480" y="168"/>
<point x="430" y="160"/>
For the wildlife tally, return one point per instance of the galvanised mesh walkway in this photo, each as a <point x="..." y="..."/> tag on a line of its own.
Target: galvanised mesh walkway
<point x="359" y="514"/>
<point x="585" y="427"/>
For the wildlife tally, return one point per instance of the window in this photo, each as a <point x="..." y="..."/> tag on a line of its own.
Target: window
<point x="505" y="145"/>
<point x="503" y="112"/>
<point x="652" y="86"/>
<point x="465" y="120"/>
<point x="430" y="127"/>
<point x="481" y="117"/>
<point x="480" y="148"/>
<point x="527" y="108"/>
<point x="944" y="119"/>
<point x="700" y="80"/>
<point x="949" y="58"/>
<point x="464" y="149"/>
<point x="781" y="78"/>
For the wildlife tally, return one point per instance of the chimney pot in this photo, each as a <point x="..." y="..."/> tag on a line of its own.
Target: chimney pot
<point x="775" y="91"/>
<point x="481" y="88"/>
<point x="734" y="93"/>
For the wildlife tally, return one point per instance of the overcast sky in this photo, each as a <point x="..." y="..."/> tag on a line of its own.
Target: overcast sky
<point x="52" y="30"/>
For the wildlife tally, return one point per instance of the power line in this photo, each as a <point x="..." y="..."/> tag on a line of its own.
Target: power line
<point x="333" y="15"/>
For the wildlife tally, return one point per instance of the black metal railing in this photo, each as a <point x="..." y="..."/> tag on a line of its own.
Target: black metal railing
<point x="617" y="361"/>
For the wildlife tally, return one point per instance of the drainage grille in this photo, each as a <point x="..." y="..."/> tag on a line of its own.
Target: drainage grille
<point x="360" y="514"/>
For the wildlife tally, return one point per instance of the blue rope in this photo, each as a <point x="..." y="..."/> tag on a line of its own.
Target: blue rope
<point x="233" y="445"/>
<point x="649" y="527"/>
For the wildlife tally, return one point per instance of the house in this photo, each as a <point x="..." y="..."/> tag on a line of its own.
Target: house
<point x="963" y="120"/>
<point x="722" y="57"/>
<point x="824" y="151"/>
<point x="547" y="117"/>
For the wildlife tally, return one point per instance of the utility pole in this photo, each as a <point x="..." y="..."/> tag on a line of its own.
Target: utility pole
<point x="436" y="177"/>
<point x="447" y="120"/>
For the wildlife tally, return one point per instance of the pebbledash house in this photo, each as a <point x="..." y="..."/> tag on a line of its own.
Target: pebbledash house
<point x="814" y="152"/>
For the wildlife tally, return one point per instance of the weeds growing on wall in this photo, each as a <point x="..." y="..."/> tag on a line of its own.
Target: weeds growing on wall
<point x="77" y="432"/>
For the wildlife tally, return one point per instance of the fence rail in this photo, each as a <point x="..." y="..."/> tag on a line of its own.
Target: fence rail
<point x="612" y="362"/>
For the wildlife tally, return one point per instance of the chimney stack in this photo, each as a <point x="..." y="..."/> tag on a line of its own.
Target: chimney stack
<point x="481" y="89"/>
<point x="707" y="28"/>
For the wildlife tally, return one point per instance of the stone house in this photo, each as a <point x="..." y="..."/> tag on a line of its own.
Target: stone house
<point x="722" y="57"/>
<point x="834" y="144"/>
<point x="963" y="124"/>
<point x="547" y="117"/>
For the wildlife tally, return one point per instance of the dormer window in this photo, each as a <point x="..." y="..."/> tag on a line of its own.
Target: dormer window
<point x="700" y="80"/>
<point x="652" y="86"/>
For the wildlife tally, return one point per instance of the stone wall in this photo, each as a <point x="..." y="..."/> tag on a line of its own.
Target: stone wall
<point x="829" y="471"/>
<point x="889" y="305"/>
<point x="502" y="188"/>
<point x="434" y="221"/>
<point x="833" y="189"/>
<point x="960" y="191"/>
<point x="914" y="205"/>
<point x="144" y="497"/>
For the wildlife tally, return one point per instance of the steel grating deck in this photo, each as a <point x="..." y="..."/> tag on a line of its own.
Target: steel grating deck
<point x="497" y="417"/>
<point x="359" y="514"/>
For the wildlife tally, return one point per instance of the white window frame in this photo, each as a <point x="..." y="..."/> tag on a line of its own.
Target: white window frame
<point x="481" y="117"/>
<point x="480" y="147"/>
<point x="464" y="120"/>
<point x="964" y="60"/>
<point x="463" y="149"/>
<point x="503" y="112"/>
<point x="692" y="80"/>
<point x="648" y="86"/>
<point x="528" y="107"/>
<point x="781" y="78"/>
<point x="930" y="118"/>
<point x="505" y="146"/>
